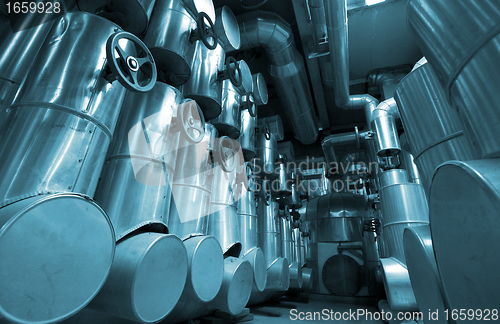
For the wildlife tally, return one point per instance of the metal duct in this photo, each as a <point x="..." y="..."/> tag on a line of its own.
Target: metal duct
<point x="270" y="31"/>
<point x="330" y="142"/>
<point x="336" y="20"/>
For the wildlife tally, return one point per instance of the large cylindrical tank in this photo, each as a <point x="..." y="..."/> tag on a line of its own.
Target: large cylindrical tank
<point x="287" y="246"/>
<point x="339" y="217"/>
<point x="236" y="96"/>
<point x="403" y="204"/>
<point x="191" y="188"/>
<point x="248" y="122"/>
<point x="247" y="211"/>
<point x="146" y="279"/>
<point x="267" y="154"/>
<point x="65" y="113"/>
<point x="464" y="207"/>
<point x="268" y="230"/>
<point x="135" y="184"/>
<point x="17" y="52"/>
<point x="56" y="253"/>
<point x="209" y="68"/>
<point x="424" y="275"/>
<point x="437" y="138"/>
<point x="446" y="44"/>
<point x="223" y="218"/>
<point x="133" y="16"/>
<point x="463" y="56"/>
<point x="172" y="36"/>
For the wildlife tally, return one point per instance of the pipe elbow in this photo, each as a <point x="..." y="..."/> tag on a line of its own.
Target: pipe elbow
<point x="264" y="29"/>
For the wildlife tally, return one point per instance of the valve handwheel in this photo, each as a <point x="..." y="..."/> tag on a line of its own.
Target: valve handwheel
<point x="225" y="153"/>
<point x="133" y="66"/>
<point x="192" y="121"/>
<point x="251" y="105"/>
<point x="205" y="32"/>
<point x="234" y="71"/>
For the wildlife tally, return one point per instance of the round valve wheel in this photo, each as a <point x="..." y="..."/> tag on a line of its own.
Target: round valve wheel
<point x="265" y="192"/>
<point x="205" y="32"/>
<point x="246" y="177"/>
<point x="225" y="153"/>
<point x="191" y="121"/>
<point x="131" y="62"/>
<point x="234" y="72"/>
<point x="267" y="132"/>
<point x="250" y="104"/>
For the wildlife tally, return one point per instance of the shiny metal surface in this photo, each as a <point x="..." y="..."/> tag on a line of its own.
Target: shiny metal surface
<point x="228" y="123"/>
<point x="403" y="205"/>
<point x="133" y="14"/>
<point x="205" y="268"/>
<point x="227" y="29"/>
<point x="286" y="238"/>
<point x="424" y="275"/>
<point x="392" y="177"/>
<point x="197" y="6"/>
<point x="475" y="87"/>
<point x="448" y="45"/>
<point x="386" y="139"/>
<point x="204" y="278"/>
<point x="278" y="275"/>
<point x="48" y="280"/>
<point x="338" y="217"/>
<point x="274" y="124"/>
<point x="270" y="31"/>
<point x="258" y="262"/>
<point x="298" y="246"/>
<point x="295" y="275"/>
<point x="204" y="85"/>
<point x="268" y="230"/>
<point x="398" y="286"/>
<point x="336" y="22"/>
<point x="247" y="137"/>
<point x="19" y="49"/>
<point x="407" y="162"/>
<point x="236" y="286"/>
<point x="146" y="279"/>
<point x="464" y="220"/>
<point x="294" y="200"/>
<point x="281" y="187"/>
<point x="307" y="279"/>
<point x="247" y="216"/>
<point x="64" y="114"/>
<point x="135" y="184"/>
<point x="168" y="38"/>
<point x="191" y="187"/>
<point x="8" y="91"/>
<point x="266" y="155"/>
<point x="439" y="137"/>
<point x="260" y="89"/>
<point x="223" y="225"/>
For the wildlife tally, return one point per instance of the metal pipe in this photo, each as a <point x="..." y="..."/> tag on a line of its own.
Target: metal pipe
<point x="332" y="141"/>
<point x="146" y="279"/>
<point x="336" y="22"/>
<point x="274" y="34"/>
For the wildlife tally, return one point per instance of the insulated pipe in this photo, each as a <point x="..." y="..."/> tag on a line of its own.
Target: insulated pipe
<point x="274" y="34"/>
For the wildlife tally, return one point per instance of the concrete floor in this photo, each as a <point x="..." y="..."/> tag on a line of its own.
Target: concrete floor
<point x="288" y="310"/>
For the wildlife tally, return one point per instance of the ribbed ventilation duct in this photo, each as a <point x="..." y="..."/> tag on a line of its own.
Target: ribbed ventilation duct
<point x="271" y="32"/>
